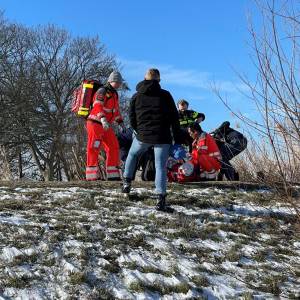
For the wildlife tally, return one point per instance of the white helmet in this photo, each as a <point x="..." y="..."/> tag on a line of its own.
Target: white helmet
<point x="186" y="169"/>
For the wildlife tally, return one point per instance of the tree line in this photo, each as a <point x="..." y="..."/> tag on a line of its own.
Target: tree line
<point x="40" y="67"/>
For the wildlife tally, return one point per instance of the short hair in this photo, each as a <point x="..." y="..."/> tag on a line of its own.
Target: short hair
<point x="182" y="101"/>
<point x="152" y="74"/>
<point x="195" y="127"/>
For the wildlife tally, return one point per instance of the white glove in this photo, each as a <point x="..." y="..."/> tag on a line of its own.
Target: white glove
<point x="104" y="123"/>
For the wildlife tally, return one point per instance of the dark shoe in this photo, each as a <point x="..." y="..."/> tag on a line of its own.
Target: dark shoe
<point x="161" y="204"/>
<point x="220" y="177"/>
<point x="126" y="187"/>
<point x="236" y="176"/>
<point x="114" y="179"/>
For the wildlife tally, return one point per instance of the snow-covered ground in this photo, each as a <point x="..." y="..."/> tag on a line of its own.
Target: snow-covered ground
<point x="81" y="243"/>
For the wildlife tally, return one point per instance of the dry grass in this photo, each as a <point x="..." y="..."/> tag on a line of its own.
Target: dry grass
<point x="88" y="226"/>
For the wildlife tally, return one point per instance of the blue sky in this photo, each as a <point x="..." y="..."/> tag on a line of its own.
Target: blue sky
<point x="194" y="43"/>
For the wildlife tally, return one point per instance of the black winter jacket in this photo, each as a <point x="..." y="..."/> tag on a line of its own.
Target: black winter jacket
<point x="153" y="114"/>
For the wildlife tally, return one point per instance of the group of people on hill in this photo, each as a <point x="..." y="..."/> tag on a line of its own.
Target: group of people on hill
<point x="168" y="137"/>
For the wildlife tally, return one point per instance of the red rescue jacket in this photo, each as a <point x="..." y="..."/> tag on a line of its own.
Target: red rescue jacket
<point x="106" y="104"/>
<point x="205" y="145"/>
<point x="205" y="158"/>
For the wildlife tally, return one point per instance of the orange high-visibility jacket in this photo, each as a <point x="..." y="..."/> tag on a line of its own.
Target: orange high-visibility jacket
<point x="105" y="104"/>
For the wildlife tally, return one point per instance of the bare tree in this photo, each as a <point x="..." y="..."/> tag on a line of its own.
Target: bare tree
<point x="40" y="68"/>
<point x="276" y="92"/>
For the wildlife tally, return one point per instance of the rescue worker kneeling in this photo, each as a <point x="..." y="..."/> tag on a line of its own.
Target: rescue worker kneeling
<point x="204" y="162"/>
<point x="205" y="153"/>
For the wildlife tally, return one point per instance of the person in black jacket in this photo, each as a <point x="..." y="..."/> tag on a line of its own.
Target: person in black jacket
<point x="153" y="116"/>
<point x="187" y="116"/>
<point x="231" y="143"/>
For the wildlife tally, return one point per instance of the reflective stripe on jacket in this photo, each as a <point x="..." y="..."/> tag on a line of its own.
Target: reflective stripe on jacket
<point x="188" y="117"/>
<point x="105" y="104"/>
<point x="205" y="145"/>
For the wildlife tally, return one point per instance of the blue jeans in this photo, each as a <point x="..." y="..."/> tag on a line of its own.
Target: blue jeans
<point x="161" y="154"/>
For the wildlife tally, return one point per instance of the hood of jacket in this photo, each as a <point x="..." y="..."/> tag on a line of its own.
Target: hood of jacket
<point x="148" y="87"/>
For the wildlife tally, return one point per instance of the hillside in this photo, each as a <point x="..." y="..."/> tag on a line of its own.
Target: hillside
<point x="85" y="241"/>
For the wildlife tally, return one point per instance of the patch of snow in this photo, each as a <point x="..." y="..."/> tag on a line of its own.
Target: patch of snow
<point x="62" y="194"/>
<point x="141" y="191"/>
<point x="186" y="211"/>
<point x="229" y="265"/>
<point x="22" y="190"/>
<point x="264" y="236"/>
<point x="77" y="189"/>
<point x="187" y="267"/>
<point x="13" y="220"/>
<point x="131" y="276"/>
<point x="264" y="191"/>
<point x="68" y="267"/>
<point x="247" y="261"/>
<point x="73" y="244"/>
<point x="9" y="253"/>
<point x="222" y="233"/>
<point x="14" y="196"/>
<point x="112" y="192"/>
<point x="205" y="191"/>
<point x="180" y="241"/>
<point x="118" y="288"/>
<point x="214" y="245"/>
<point x="147" y="296"/>
<point x="169" y="230"/>
<point x="29" y="251"/>
<point x="176" y="256"/>
<point x="5" y="197"/>
<point x="159" y="244"/>
<point x="296" y="245"/>
<point x="145" y="259"/>
<point x="178" y="296"/>
<point x="249" y="209"/>
<point x="102" y="262"/>
<point x="224" y="287"/>
<point x="137" y="229"/>
<point x="139" y="211"/>
<point x="208" y="266"/>
<point x="26" y="294"/>
<point x="249" y="250"/>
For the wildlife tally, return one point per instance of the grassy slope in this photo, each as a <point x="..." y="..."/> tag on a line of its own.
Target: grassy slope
<point x="85" y="240"/>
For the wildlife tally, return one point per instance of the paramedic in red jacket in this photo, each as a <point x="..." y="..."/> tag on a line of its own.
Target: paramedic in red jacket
<point x="205" y="153"/>
<point x="105" y="111"/>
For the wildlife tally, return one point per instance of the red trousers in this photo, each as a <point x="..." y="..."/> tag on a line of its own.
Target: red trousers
<point x="209" y="166"/>
<point x="99" y="138"/>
